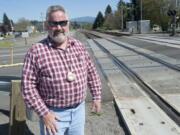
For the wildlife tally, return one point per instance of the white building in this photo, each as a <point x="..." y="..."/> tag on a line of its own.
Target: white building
<point x="178" y="3"/>
<point x="30" y="29"/>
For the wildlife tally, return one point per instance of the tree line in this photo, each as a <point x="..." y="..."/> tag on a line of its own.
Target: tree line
<point x="8" y="25"/>
<point x="153" y="10"/>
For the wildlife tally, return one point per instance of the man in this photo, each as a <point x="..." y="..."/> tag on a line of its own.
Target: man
<point x="55" y="76"/>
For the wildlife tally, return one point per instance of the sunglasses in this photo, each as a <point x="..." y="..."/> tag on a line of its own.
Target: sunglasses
<point x="55" y="23"/>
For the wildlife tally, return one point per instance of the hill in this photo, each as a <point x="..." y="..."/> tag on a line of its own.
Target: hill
<point x="86" y="19"/>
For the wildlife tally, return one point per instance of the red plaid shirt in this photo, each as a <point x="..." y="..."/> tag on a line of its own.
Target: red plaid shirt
<point x="44" y="76"/>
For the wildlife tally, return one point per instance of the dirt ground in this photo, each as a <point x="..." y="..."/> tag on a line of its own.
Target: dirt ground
<point x="106" y="124"/>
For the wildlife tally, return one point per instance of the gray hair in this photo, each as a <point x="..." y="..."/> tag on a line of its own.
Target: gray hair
<point x="54" y="8"/>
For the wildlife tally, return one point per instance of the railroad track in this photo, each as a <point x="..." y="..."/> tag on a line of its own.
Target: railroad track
<point x="168" y="108"/>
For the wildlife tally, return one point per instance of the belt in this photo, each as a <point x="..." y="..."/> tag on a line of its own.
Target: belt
<point x="73" y="106"/>
<point x="68" y="107"/>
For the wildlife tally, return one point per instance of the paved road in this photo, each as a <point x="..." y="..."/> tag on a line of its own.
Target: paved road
<point x="19" y="49"/>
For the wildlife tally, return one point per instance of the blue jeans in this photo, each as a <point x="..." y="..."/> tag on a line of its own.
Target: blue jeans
<point x="71" y="122"/>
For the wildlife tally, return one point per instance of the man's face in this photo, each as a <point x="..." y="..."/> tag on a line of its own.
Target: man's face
<point x="58" y="27"/>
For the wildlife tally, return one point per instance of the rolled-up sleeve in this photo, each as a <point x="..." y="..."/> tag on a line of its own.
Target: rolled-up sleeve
<point x="29" y="85"/>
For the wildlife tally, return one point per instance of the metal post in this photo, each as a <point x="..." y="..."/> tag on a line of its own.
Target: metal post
<point x="122" y="16"/>
<point x="25" y="40"/>
<point x="122" y="19"/>
<point x="174" y="26"/>
<point x="11" y="55"/>
<point x="141" y="9"/>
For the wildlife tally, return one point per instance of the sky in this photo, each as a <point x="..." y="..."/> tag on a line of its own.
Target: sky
<point x="36" y="9"/>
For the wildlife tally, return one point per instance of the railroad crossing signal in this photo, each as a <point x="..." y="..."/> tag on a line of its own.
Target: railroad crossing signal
<point x="171" y="12"/>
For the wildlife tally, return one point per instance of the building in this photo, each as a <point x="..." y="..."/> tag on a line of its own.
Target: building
<point x="175" y="3"/>
<point x="30" y="29"/>
<point x="178" y="3"/>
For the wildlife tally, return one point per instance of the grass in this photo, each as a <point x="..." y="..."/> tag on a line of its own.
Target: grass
<point x="5" y="44"/>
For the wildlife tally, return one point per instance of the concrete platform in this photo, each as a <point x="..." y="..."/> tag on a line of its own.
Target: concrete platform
<point x="140" y="113"/>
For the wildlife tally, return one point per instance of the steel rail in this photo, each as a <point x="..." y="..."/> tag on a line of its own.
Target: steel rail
<point x="169" y="65"/>
<point x="163" y="104"/>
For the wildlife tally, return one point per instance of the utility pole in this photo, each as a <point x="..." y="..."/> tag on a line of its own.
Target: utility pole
<point x="141" y="9"/>
<point x="122" y="16"/>
<point x="176" y="3"/>
<point x="42" y="17"/>
<point x="122" y="20"/>
<point x="132" y="11"/>
<point x="12" y="28"/>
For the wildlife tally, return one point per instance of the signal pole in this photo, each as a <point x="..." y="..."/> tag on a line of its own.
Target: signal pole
<point x="172" y="13"/>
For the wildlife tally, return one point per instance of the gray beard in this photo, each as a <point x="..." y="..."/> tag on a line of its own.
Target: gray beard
<point x="59" y="38"/>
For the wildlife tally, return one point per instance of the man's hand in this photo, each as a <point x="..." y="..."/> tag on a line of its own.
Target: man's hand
<point x="49" y="122"/>
<point x="96" y="106"/>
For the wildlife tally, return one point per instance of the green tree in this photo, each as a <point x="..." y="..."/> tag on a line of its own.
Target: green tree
<point x="109" y="22"/>
<point x="98" y="21"/>
<point x="156" y="12"/>
<point x="75" y="25"/>
<point x="7" y="25"/>
<point x="108" y="19"/>
<point x="108" y="11"/>
<point x="87" y="26"/>
<point x="22" y="24"/>
<point x="124" y="14"/>
<point x="117" y="20"/>
<point x="135" y="5"/>
<point x="38" y="25"/>
<point x="128" y="12"/>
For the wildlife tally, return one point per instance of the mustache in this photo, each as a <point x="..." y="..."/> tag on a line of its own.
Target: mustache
<point x="55" y="33"/>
